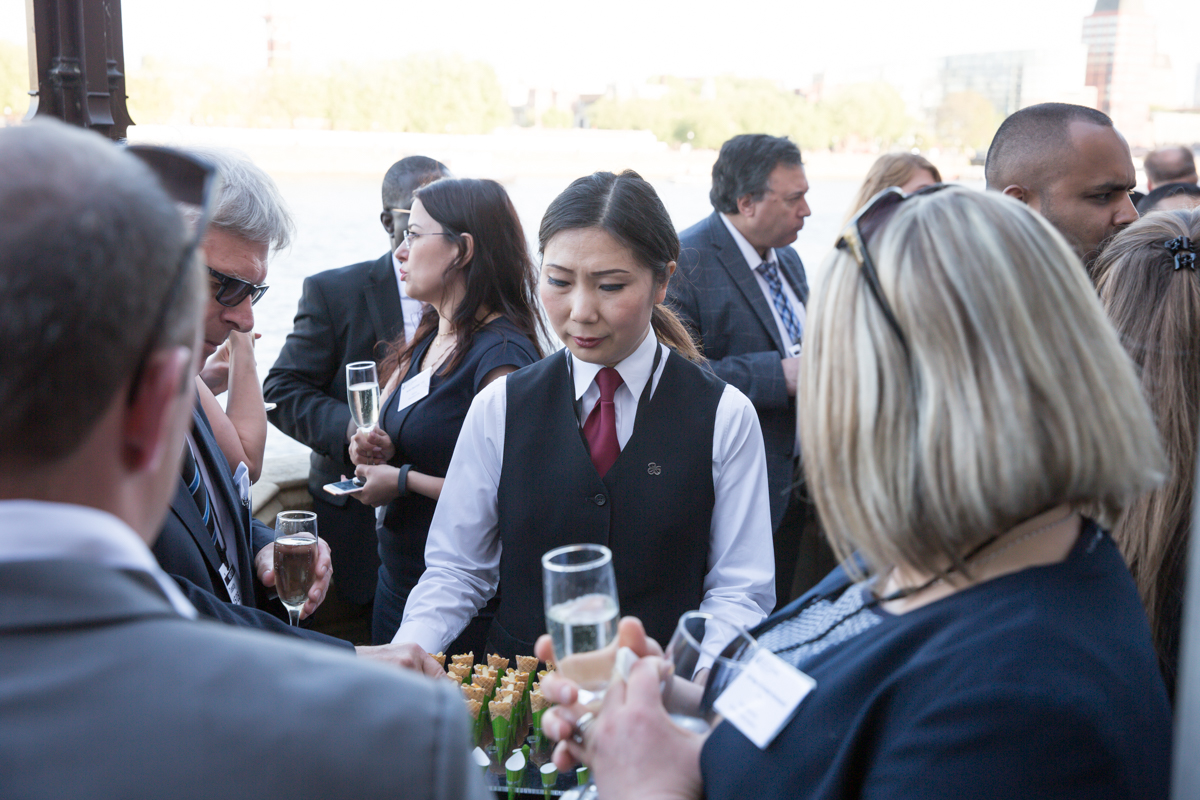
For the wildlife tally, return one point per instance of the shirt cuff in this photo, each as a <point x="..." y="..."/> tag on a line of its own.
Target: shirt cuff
<point x="429" y="639"/>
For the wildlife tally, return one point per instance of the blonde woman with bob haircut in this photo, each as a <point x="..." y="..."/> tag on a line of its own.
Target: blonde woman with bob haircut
<point x="969" y="421"/>
<point x="1149" y="287"/>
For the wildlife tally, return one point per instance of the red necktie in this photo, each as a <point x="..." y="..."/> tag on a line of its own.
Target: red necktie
<point x="600" y="429"/>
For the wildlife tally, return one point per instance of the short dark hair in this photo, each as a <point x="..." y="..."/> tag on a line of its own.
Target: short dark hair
<point x="744" y="166"/>
<point x="627" y="208"/>
<point x="1160" y="193"/>
<point x="1028" y="142"/>
<point x="1169" y="164"/>
<point x="89" y="245"/>
<point x="406" y="176"/>
<point x="498" y="276"/>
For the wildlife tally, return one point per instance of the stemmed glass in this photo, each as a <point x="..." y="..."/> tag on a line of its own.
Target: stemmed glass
<point x="703" y="647"/>
<point x="582" y="610"/>
<point x="295" y="559"/>
<point x="362" y="392"/>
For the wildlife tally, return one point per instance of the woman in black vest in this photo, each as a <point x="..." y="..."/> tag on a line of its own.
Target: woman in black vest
<point x="465" y="256"/>
<point x="622" y="438"/>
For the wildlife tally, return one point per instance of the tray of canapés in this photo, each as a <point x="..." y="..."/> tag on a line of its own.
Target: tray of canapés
<point x="505" y="705"/>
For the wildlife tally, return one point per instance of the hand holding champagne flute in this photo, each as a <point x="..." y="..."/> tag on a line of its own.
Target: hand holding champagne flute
<point x="295" y="559"/>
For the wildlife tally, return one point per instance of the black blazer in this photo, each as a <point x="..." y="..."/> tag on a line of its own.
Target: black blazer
<point x="716" y="295"/>
<point x="344" y="315"/>
<point x="185" y="547"/>
<point x="185" y="550"/>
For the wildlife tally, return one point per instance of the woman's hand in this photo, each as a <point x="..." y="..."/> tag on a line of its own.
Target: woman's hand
<point x="632" y="747"/>
<point x="371" y="447"/>
<point x="379" y="485"/>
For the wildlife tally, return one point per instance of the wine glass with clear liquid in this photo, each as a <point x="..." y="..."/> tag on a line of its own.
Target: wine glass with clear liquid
<point x="582" y="611"/>
<point x="703" y="647"/>
<point x="295" y="559"/>
<point x="362" y="393"/>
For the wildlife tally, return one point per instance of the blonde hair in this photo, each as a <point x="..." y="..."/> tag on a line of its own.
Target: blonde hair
<point x="892" y="169"/>
<point x="1156" y="311"/>
<point x="1017" y="395"/>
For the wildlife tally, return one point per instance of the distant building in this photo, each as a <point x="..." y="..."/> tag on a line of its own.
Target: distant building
<point x="1120" y="63"/>
<point x="1015" y="79"/>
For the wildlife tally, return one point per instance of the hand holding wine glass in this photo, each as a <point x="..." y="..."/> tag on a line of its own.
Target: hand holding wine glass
<point x="295" y="559"/>
<point x="703" y="646"/>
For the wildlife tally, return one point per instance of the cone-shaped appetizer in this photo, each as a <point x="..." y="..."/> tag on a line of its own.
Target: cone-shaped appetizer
<point x="527" y="664"/>
<point x="549" y="778"/>
<point x="496" y="662"/>
<point x="440" y="658"/>
<point x="463" y="658"/>
<point x="460" y="671"/>
<point x="501" y="713"/>
<point x="475" y="709"/>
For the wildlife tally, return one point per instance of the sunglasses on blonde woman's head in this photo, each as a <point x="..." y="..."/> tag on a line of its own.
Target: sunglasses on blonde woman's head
<point x="863" y="227"/>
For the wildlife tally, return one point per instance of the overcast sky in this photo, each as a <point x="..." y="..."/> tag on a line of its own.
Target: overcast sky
<point x="552" y="41"/>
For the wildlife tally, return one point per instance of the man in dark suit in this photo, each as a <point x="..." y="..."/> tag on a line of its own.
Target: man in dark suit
<point x="210" y="539"/>
<point x="110" y="687"/>
<point x="741" y="290"/>
<point x="346" y="315"/>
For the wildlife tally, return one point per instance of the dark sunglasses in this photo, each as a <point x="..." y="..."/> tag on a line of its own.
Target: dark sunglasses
<point x="858" y="233"/>
<point x="233" y="291"/>
<point x="192" y="181"/>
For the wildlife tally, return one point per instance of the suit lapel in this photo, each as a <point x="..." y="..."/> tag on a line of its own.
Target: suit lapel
<point x="222" y="479"/>
<point x="731" y="258"/>
<point x="382" y="296"/>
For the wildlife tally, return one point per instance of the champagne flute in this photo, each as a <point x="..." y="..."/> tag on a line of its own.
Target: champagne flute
<point x="703" y="647"/>
<point x="580" y="591"/>
<point x="295" y="559"/>
<point x="362" y="393"/>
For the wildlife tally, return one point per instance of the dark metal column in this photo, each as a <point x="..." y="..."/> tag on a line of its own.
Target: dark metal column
<point x="77" y="64"/>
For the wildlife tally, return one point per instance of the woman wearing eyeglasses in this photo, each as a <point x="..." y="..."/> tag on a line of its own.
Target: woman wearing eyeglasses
<point x="968" y="421"/>
<point x="465" y="256"/>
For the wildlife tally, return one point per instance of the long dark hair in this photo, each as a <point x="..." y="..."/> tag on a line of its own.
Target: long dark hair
<point x="499" y="275"/>
<point x="627" y="208"/>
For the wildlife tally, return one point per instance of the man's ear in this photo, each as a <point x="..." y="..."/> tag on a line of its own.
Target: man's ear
<point x="1018" y="192"/>
<point x="746" y="205"/>
<point x="389" y="224"/>
<point x="163" y="394"/>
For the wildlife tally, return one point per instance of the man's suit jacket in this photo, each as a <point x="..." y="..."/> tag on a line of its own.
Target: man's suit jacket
<point x="185" y="546"/>
<point x="185" y="550"/>
<point x="344" y="315"/>
<point x="716" y="295"/>
<point x="105" y="692"/>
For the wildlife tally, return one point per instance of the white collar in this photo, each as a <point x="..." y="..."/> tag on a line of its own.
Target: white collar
<point x="32" y="530"/>
<point x="634" y="370"/>
<point x="753" y="259"/>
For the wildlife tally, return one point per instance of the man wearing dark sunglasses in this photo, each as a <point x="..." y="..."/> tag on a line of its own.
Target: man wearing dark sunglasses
<point x="1069" y="164"/>
<point x="110" y="685"/>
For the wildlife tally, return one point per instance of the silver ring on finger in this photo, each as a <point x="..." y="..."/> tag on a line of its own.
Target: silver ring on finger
<point x="581" y="727"/>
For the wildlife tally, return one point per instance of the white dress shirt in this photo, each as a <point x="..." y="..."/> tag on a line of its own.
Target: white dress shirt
<point x="31" y="530"/>
<point x="754" y="260"/>
<point x="410" y="308"/>
<point x="462" y="554"/>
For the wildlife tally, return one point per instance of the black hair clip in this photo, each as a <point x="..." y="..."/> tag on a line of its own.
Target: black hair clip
<point x="1184" y="251"/>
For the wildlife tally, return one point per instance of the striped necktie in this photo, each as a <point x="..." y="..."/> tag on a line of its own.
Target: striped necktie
<point x="771" y="272"/>
<point x="195" y="485"/>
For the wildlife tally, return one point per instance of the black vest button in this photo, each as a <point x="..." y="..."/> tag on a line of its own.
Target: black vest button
<point x="599" y="499"/>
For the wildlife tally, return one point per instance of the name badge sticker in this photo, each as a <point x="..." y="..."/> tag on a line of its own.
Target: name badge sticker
<point x="764" y="697"/>
<point x="414" y="389"/>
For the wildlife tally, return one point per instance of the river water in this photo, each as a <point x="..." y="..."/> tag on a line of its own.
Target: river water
<point x="337" y="223"/>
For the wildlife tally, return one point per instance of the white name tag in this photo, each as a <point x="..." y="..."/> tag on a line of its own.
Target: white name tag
<point x="231" y="585"/>
<point x="764" y="697"/>
<point x="414" y="389"/>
